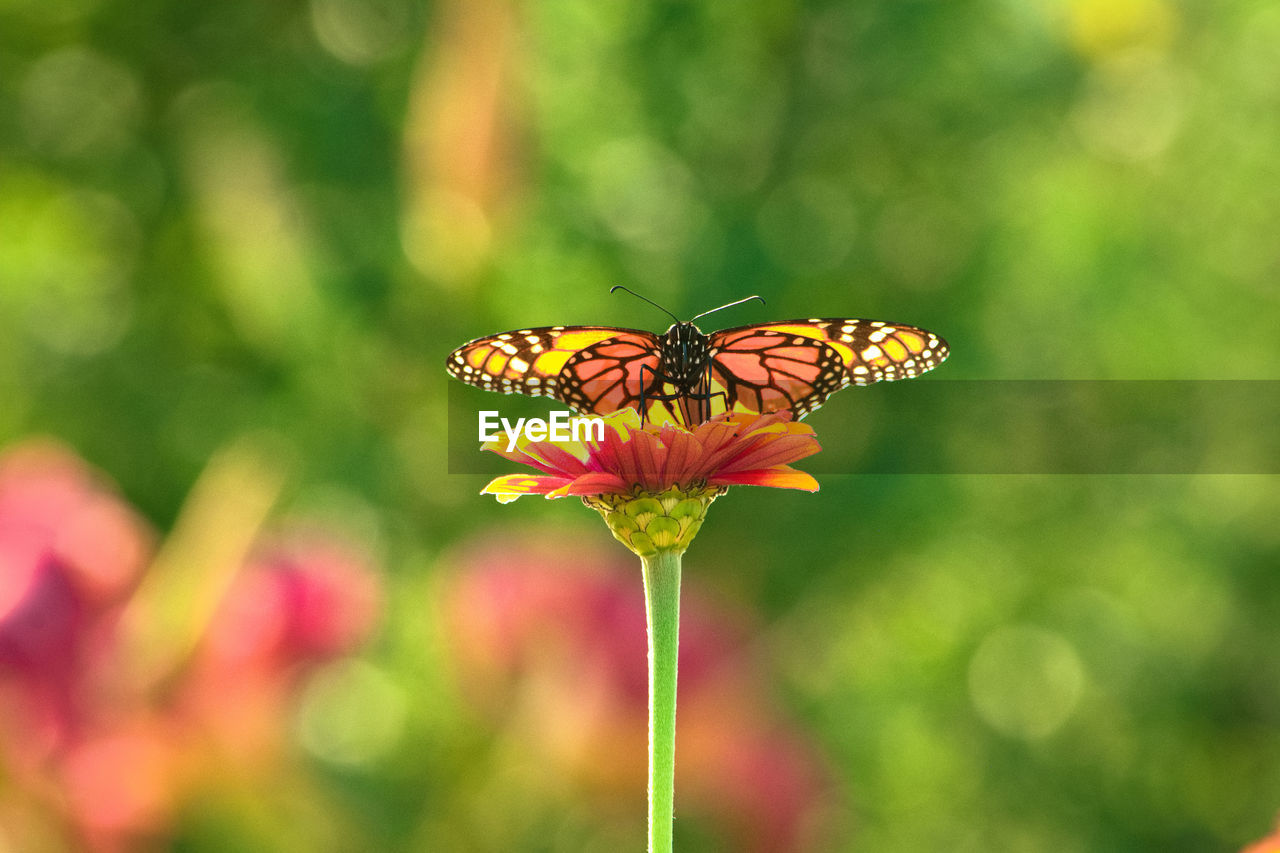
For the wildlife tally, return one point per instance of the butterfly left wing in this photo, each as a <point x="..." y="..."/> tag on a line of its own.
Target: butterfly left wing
<point x="526" y="361"/>
<point x="798" y="364"/>
<point x="594" y="369"/>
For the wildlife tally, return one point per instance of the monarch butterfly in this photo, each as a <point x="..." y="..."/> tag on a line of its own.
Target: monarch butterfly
<point x="687" y="376"/>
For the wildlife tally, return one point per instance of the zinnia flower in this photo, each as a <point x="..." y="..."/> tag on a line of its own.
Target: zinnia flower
<point x="653" y="484"/>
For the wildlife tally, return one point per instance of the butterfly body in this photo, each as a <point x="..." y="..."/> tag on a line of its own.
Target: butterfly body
<point x="683" y="356"/>
<point x="687" y="376"/>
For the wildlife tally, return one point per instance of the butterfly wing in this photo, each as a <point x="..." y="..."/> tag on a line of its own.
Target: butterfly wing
<point x="594" y="369"/>
<point x="798" y="364"/>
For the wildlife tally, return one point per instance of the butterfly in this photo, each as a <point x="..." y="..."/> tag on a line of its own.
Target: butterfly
<point x="686" y="376"/>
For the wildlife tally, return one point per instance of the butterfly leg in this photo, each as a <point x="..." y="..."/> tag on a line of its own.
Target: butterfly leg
<point x="704" y="412"/>
<point x="711" y="395"/>
<point x="657" y="377"/>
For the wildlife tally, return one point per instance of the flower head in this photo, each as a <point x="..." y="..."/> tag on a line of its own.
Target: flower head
<point x="732" y="449"/>
<point x="653" y="483"/>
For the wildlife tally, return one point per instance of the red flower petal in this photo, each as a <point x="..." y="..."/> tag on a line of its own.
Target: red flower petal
<point x="563" y="460"/>
<point x="781" y="451"/>
<point x="778" y="478"/>
<point x="596" y="483"/>
<point x="518" y="455"/>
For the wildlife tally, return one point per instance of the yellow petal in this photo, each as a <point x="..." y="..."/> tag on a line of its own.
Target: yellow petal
<point x="508" y="487"/>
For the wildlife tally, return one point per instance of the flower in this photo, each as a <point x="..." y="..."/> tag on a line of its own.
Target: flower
<point x="71" y="552"/>
<point x="111" y="760"/>
<point x="735" y="448"/>
<point x="304" y="598"/>
<point x="653" y="484"/>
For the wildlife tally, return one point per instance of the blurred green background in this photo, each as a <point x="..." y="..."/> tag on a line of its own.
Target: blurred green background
<point x="264" y="224"/>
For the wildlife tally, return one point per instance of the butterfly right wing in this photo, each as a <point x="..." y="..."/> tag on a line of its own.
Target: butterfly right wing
<point x="798" y="364"/>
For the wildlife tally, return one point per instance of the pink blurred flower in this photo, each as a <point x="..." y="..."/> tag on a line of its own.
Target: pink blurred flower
<point x="303" y="599"/>
<point x="70" y="553"/>
<point x="549" y="634"/>
<point x="87" y="743"/>
<point x="112" y="809"/>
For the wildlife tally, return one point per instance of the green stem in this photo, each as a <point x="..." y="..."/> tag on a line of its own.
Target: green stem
<point x="662" y="607"/>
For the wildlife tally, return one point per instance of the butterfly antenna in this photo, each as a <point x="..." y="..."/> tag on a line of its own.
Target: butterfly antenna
<point x="646" y="299"/>
<point x="730" y="305"/>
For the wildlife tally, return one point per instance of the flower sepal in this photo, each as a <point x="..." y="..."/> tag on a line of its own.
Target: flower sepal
<point x="649" y="523"/>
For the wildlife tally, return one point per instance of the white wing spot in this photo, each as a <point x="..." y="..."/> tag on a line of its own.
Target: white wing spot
<point x="871" y="352"/>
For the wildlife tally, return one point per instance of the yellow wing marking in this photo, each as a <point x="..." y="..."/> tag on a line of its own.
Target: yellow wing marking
<point x="915" y="343"/>
<point x="580" y="339"/>
<point x="894" y="349"/>
<point x="550" y="362"/>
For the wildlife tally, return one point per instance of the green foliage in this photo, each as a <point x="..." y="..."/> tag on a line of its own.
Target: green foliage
<point x="275" y="219"/>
